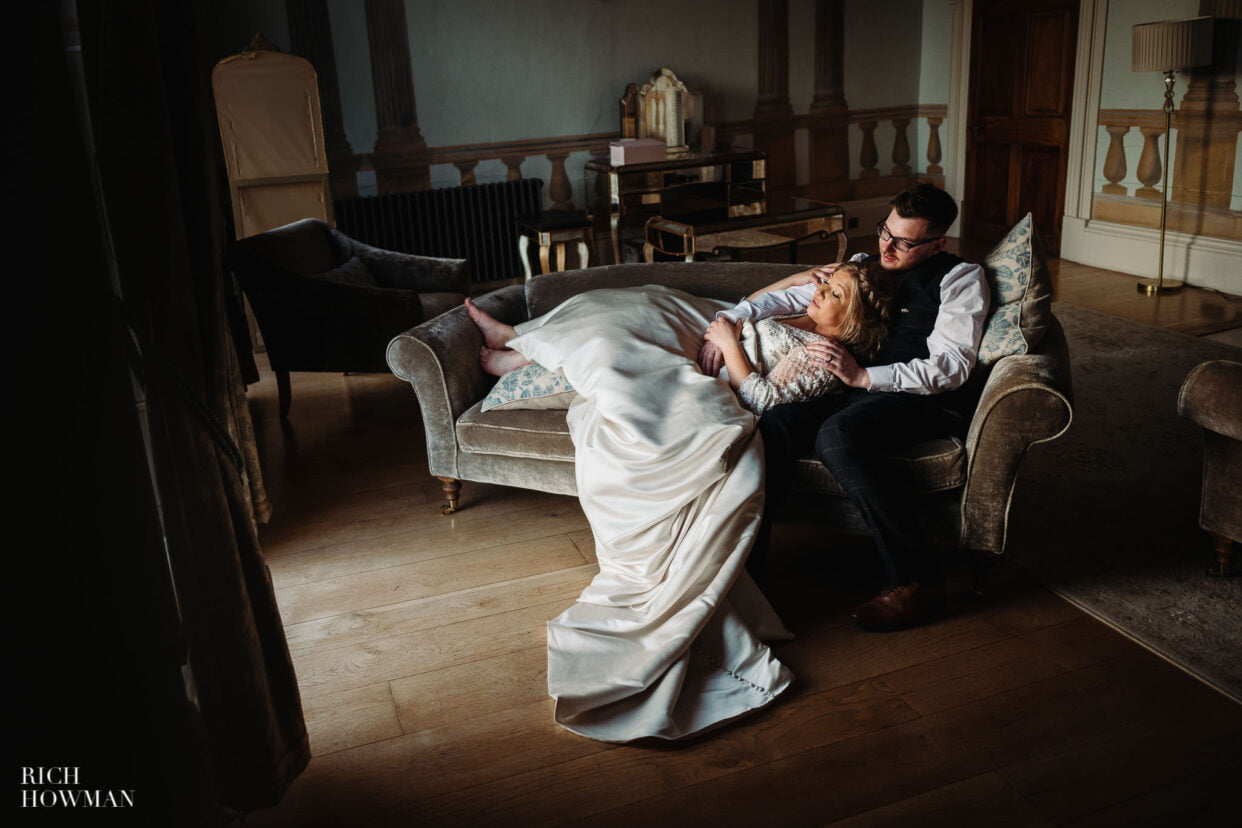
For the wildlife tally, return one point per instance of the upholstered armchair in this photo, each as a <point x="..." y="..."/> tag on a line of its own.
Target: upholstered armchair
<point x="326" y="302"/>
<point x="967" y="484"/>
<point x="1212" y="397"/>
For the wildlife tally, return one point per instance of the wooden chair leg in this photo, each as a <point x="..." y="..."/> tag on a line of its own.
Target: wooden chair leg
<point x="1225" y="548"/>
<point x="282" y="393"/>
<point x="452" y="489"/>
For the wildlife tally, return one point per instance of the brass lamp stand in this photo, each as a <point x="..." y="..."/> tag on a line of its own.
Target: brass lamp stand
<point x="1168" y="46"/>
<point x="1158" y="285"/>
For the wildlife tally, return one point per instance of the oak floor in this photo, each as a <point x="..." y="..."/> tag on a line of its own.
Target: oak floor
<point x="418" y="641"/>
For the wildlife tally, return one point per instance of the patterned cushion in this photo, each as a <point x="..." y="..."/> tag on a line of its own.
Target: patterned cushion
<point x="1021" y="294"/>
<point x="531" y="386"/>
<point x="352" y="272"/>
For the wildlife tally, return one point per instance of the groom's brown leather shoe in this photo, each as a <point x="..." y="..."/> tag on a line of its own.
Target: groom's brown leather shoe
<point x="900" y="607"/>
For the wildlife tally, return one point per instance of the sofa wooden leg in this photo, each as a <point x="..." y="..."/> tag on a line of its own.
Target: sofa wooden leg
<point x="283" y="393"/>
<point x="1225" y="548"/>
<point x="452" y="489"/>
<point x="981" y="563"/>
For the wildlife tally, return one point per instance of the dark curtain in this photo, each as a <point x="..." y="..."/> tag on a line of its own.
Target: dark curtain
<point x="155" y="659"/>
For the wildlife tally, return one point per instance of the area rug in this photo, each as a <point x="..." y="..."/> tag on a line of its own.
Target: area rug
<point x="1107" y="516"/>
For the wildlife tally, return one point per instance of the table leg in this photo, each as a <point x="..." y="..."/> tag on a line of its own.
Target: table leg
<point x="560" y="256"/>
<point x="584" y="255"/>
<point x="543" y="258"/>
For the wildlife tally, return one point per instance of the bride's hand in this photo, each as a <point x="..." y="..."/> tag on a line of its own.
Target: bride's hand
<point x="723" y="334"/>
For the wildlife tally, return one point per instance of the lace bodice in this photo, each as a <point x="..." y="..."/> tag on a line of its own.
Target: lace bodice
<point x="784" y="372"/>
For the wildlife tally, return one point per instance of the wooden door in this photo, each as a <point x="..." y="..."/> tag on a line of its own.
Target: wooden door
<point x="1017" y="145"/>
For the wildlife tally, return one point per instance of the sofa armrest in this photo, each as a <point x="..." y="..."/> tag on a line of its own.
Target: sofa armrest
<point x="1211" y="396"/>
<point x="440" y="358"/>
<point x="1027" y="400"/>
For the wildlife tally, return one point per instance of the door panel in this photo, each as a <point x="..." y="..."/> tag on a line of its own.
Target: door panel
<point x="1021" y="82"/>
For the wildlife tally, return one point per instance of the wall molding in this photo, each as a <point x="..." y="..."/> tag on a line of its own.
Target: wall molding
<point x="1203" y="261"/>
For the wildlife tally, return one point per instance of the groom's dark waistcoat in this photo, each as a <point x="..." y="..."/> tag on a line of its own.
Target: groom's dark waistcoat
<point x="914" y="311"/>
<point x="915" y="308"/>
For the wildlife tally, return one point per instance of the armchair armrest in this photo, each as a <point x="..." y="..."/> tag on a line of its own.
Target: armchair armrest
<point x="407" y="271"/>
<point x="440" y="358"/>
<point x="1027" y="400"/>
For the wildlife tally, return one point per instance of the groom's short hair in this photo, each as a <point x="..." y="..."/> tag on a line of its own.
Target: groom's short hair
<point x="928" y="202"/>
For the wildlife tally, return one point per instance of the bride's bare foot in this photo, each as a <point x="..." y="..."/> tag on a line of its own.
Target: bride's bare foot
<point x="496" y="334"/>
<point x="501" y="361"/>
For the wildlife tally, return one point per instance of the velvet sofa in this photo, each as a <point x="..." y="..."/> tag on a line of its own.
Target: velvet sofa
<point x="966" y="485"/>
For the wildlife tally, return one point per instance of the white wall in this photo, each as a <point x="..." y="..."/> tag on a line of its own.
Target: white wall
<point x="486" y="71"/>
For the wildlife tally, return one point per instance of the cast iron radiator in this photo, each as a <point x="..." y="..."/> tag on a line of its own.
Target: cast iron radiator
<point x="474" y="222"/>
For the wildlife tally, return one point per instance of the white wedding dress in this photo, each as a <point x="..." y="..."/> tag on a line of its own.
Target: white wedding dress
<point x="667" y="640"/>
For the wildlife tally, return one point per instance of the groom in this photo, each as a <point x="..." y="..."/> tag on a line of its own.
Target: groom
<point x="921" y="385"/>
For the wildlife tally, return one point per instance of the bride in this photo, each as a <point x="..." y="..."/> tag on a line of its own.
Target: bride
<point x="667" y="641"/>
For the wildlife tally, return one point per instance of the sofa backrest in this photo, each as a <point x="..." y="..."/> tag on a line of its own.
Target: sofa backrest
<point x="728" y="281"/>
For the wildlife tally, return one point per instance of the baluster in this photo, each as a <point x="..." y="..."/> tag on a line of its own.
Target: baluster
<point x="514" y="165"/>
<point x="1115" y="160"/>
<point x="901" y="147"/>
<point x="1149" y="166"/>
<point x="934" y="153"/>
<point x="868" y="156"/>
<point x="466" y="168"/>
<point x="559" y="189"/>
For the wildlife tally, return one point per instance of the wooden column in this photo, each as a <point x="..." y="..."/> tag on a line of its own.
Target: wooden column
<point x="828" y="119"/>
<point x="1149" y="167"/>
<point x="901" y="147"/>
<point x="773" y="120"/>
<point x="1208" y="118"/>
<point x="401" y="156"/>
<point x="868" y="155"/>
<point x="1115" y="160"/>
<point x="560" y="191"/>
<point x="310" y="33"/>
<point x="934" y="152"/>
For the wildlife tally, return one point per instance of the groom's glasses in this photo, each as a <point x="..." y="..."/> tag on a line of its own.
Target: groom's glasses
<point x="903" y="245"/>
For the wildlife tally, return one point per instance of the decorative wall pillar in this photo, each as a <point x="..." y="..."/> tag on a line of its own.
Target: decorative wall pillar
<point x="869" y="155"/>
<point x="465" y="170"/>
<point x="559" y="189"/>
<point x="1149" y="166"/>
<point x="901" y="147"/>
<point x="513" y="163"/>
<point x="934" y="152"/>
<point x="773" y="120"/>
<point x="401" y="157"/>
<point x="828" y="118"/>
<point x="310" y="33"/>
<point x="1207" y="121"/>
<point x="1115" y="160"/>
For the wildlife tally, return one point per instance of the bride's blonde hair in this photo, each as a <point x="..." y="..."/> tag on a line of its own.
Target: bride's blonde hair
<point x="867" y="314"/>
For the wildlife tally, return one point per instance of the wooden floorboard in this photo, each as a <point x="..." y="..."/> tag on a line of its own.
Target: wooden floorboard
<point x="418" y="641"/>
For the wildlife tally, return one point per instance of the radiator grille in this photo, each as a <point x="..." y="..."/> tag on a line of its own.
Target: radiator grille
<point x="474" y="222"/>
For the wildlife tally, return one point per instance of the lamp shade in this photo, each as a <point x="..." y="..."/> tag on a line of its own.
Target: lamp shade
<point x="1171" y="45"/>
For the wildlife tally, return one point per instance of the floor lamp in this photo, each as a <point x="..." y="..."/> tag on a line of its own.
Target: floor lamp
<point x="1169" y="46"/>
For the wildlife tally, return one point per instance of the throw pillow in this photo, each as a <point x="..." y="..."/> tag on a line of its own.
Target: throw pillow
<point x="352" y="272"/>
<point x="1021" y="286"/>
<point x="531" y="386"/>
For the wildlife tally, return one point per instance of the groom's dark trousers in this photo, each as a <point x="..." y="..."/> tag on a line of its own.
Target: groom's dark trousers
<point x="851" y="433"/>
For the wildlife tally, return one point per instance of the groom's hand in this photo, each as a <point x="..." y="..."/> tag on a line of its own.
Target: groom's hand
<point x="711" y="359"/>
<point x="837" y="358"/>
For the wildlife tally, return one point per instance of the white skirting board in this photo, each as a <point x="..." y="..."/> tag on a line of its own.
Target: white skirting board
<point x="1202" y="261"/>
